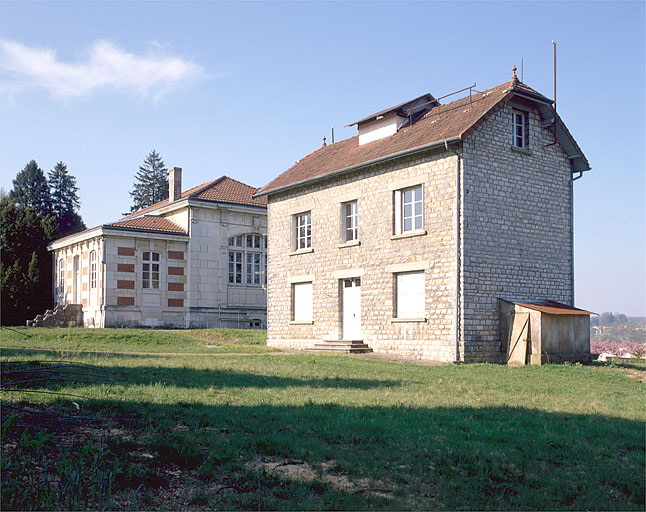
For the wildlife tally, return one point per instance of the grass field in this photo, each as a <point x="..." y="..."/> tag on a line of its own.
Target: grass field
<point x="247" y="428"/>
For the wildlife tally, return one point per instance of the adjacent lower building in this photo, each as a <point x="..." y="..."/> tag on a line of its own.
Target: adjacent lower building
<point x="406" y="237"/>
<point x="196" y="259"/>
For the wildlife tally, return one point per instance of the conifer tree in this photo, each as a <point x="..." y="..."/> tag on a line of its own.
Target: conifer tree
<point x="25" y="269"/>
<point x="64" y="200"/>
<point x="151" y="182"/>
<point x="30" y="189"/>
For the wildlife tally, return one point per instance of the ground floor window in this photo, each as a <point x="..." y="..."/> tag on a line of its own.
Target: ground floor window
<point x="61" y="277"/>
<point x="93" y="270"/>
<point x="302" y="302"/>
<point x="235" y="267"/>
<point x="150" y="270"/>
<point x="409" y="295"/>
<point x="247" y="259"/>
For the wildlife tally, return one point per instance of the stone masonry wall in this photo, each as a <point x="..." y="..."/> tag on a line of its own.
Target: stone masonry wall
<point x="375" y="259"/>
<point x="516" y="226"/>
<point x="89" y="298"/>
<point x="128" y="304"/>
<point x="211" y="300"/>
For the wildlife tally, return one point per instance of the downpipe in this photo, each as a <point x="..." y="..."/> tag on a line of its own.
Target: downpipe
<point x="458" y="204"/>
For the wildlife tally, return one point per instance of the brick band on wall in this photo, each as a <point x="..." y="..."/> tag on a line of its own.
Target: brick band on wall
<point x="175" y="255"/>
<point x="125" y="285"/>
<point x="175" y="287"/>
<point x="125" y="301"/>
<point x="175" y="271"/>
<point x="125" y="267"/>
<point x="176" y="303"/>
<point x="126" y="251"/>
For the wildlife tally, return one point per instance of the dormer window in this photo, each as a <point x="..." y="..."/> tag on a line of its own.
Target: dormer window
<point x="520" y="129"/>
<point x="389" y="121"/>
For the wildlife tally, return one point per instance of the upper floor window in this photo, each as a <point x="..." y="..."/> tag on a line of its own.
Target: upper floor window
<point x="350" y="221"/>
<point x="92" y="270"/>
<point x="247" y="259"/>
<point x="150" y="270"/>
<point x="304" y="230"/>
<point x="409" y="209"/>
<point x="520" y="129"/>
<point x="61" y="277"/>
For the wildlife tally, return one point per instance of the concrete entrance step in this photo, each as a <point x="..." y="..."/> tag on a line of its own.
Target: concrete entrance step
<point x="348" y="347"/>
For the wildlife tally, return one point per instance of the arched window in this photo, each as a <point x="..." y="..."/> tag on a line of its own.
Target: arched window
<point x="93" y="270"/>
<point x="247" y="259"/>
<point x="150" y="270"/>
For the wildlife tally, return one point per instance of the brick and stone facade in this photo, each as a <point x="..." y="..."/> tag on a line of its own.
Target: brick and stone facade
<point x="187" y="282"/>
<point x="497" y="222"/>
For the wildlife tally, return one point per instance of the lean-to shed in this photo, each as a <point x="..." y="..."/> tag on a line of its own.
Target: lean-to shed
<point x="544" y="331"/>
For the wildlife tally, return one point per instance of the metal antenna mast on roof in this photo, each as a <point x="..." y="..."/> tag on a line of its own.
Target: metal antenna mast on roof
<point x="554" y="44"/>
<point x="522" y="69"/>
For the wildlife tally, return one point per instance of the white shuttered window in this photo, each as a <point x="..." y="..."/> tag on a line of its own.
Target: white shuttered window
<point x="410" y="295"/>
<point x="302" y="301"/>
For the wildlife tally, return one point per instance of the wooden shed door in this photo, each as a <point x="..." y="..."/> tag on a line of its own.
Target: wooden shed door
<point x="518" y="340"/>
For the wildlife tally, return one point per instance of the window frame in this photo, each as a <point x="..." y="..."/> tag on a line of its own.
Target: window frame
<point x="236" y="274"/>
<point x="93" y="270"/>
<point x="400" y="210"/>
<point x="248" y="250"/>
<point x="524" y="128"/>
<point x="61" y="277"/>
<point x="303" y="221"/>
<point x="350" y="221"/>
<point x="150" y="272"/>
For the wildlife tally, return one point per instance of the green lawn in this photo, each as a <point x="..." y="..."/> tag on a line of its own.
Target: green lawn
<point x="198" y="341"/>
<point x="301" y="431"/>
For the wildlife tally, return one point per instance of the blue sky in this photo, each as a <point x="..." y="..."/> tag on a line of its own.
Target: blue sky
<point x="246" y="89"/>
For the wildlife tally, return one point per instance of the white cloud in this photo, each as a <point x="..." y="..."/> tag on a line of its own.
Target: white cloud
<point x="106" y="67"/>
<point x="157" y="44"/>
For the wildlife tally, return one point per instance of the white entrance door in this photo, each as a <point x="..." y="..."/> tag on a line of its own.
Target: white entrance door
<point x="351" y="309"/>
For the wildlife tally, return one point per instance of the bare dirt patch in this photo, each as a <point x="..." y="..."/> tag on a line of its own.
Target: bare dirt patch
<point x="301" y="471"/>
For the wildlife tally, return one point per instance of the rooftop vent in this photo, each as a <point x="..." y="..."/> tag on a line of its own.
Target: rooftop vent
<point x="389" y="121"/>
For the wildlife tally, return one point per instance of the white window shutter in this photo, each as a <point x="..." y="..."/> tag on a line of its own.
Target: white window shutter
<point x="410" y="295"/>
<point x="303" y="302"/>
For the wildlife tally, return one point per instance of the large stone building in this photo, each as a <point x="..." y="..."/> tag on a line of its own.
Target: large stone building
<point x="196" y="259"/>
<point x="406" y="237"/>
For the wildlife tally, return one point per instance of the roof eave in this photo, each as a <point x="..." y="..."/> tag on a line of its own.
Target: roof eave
<point x="108" y="227"/>
<point x="198" y="200"/>
<point x="361" y="165"/>
<point x="75" y="238"/>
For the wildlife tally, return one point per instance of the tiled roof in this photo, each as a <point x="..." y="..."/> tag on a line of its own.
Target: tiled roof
<point x="149" y="223"/>
<point x="222" y="190"/>
<point x="454" y="120"/>
<point x="228" y="190"/>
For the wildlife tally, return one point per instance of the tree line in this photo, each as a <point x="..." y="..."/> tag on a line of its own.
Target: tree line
<point x="607" y="318"/>
<point x="39" y="209"/>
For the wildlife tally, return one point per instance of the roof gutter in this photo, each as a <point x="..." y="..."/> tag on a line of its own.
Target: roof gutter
<point x="392" y="156"/>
